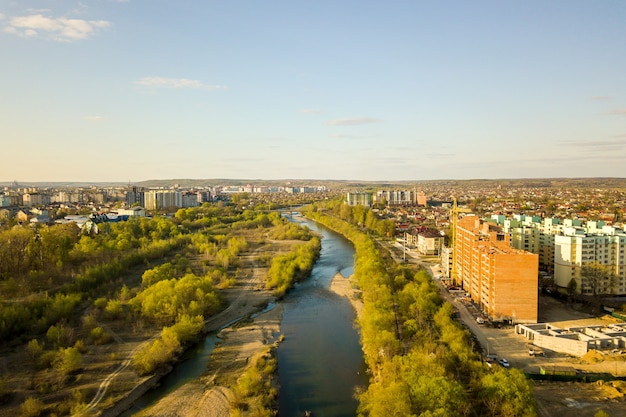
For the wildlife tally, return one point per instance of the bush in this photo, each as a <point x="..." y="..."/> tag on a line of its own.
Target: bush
<point x="31" y="407"/>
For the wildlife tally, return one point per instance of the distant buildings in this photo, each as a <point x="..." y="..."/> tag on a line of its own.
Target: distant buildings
<point x="359" y="199"/>
<point x="135" y="211"/>
<point x="396" y="197"/>
<point x="389" y="198"/>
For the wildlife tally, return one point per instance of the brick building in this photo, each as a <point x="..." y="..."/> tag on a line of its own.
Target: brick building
<point x="501" y="280"/>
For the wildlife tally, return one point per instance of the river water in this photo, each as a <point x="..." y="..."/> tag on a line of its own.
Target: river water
<point x="320" y="362"/>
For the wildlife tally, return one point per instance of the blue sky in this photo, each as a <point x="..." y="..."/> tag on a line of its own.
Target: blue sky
<point x="130" y="90"/>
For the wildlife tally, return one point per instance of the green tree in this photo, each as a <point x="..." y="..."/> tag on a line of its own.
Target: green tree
<point x="507" y="394"/>
<point x="68" y="360"/>
<point x="34" y="350"/>
<point x="31" y="407"/>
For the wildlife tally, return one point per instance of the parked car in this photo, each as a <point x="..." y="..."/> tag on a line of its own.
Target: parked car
<point x="504" y="362"/>
<point x="480" y="320"/>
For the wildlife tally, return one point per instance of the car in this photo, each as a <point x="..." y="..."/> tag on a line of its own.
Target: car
<point x="480" y="320"/>
<point x="504" y="362"/>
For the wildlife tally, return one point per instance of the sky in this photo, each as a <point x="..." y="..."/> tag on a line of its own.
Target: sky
<point x="133" y="90"/>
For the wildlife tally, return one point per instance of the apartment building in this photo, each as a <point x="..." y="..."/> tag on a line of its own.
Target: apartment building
<point x="397" y="197"/>
<point x="163" y="199"/>
<point x="35" y="199"/>
<point x="565" y="247"/>
<point x="359" y="199"/>
<point x="578" y="247"/>
<point x="500" y="279"/>
<point x="5" y="200"/>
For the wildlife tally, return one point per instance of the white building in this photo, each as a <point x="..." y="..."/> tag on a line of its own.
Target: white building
<point x="163" y="199"/>
<point x="577" y="247"/>
<point x="132" y="212"/>
<point x="429" y="243"/>
<point x="397" y="197"/>
<point x="359" y="199"/>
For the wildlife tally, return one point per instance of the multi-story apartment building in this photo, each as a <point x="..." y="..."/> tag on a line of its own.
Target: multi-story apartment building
<point x="163" y="199"/>
<point x="397" y="197"/>
<point x="35" y="199"/>
<point x="5" y="200"/>
<point x="578" y="247"/>
<point x="359" y="199"/>
<point x="500" y="279"/>
<point x="547" y="231"/>
<point x="564" y="248"/>
<point x="135" y="196"/>
<point x="204" y="197"/>
<point x="190" y="199"/>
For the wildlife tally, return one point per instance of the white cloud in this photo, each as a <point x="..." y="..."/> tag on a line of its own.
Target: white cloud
<point x="352" y="121"/>
<point x="58" y="29"/>
<point x="620" y="112"/>
<point x="1" y="16"/>
<point x="176" y="83"/>
<point x="93" y="118"/>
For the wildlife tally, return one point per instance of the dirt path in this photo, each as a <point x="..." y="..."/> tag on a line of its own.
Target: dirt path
<point x="210" y="397"/>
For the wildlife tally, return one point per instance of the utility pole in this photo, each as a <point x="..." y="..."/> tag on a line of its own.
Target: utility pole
<point x="404" y="248"/>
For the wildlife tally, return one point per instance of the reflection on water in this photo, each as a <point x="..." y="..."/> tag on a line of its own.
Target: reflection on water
<point x="320" y="362"/>
<point x="192" y="367"/>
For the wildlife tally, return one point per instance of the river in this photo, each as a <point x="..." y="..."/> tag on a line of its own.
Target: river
<point x="320" y="362"/>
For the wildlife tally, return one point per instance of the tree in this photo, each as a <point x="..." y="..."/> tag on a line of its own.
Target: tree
<point x="572" y="286"/>
<point x="68" y="360"/>
<point x="34" y="349"/>
<point x="507" y="394"/>
<point x="597" y="278"/>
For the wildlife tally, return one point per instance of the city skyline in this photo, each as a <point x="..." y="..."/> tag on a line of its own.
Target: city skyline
<point x="122" y="90"/>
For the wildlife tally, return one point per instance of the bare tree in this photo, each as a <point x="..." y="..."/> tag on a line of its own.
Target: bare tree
<point x="598" y="278"/>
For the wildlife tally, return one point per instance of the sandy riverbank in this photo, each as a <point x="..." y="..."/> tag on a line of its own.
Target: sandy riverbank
<point x="210" y="396"/>
<point x="343" y="286"/>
